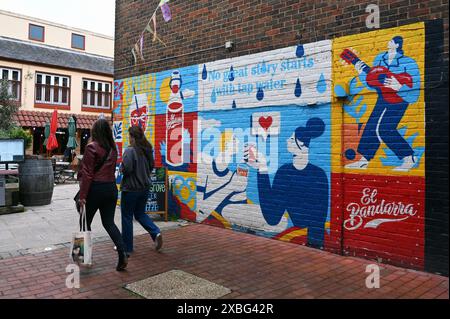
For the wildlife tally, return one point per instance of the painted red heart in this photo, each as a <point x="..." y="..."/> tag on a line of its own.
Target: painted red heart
<point x="265" y="122"/>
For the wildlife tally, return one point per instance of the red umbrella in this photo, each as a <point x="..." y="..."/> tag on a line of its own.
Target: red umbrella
<point x="52" y="142"/>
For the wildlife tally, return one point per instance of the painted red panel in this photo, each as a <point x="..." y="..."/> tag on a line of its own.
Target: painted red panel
<point x="189" y="148"/>
<point x="384" y="218"/>
<point x="332" y="240"/>
<point x="119" y="152"/>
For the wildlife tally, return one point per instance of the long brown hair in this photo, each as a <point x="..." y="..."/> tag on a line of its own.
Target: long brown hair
<point x="102" y="134"/>
<point x="142" y="146"/>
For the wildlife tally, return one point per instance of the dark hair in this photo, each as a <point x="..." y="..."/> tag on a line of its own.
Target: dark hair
<point x="399" y="40"/>
<point x="142" y="146"/>
<point x="102" y="134"/>
<point x="314" y="128"/>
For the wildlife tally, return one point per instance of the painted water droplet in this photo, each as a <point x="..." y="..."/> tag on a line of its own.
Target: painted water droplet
<point x="213" y="96"/>
<point x="260" y="94"/>
<point x="298" y="89"/>
<point x="231" y="76"/>
<point x="204" y="72"/>
<point x="321" y="84"/>
<point x="300" y="51"/>
<point x="234" y="104"/>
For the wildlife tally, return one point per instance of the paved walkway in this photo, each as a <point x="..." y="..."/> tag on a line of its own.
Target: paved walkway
<point x="251" y="266"/>
<point x="49" y="226"/>
<point x="34" y="256"/>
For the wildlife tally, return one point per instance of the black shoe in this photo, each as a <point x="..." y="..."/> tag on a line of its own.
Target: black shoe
<point x="128" y="254"/>
<point x="123" y="261"/>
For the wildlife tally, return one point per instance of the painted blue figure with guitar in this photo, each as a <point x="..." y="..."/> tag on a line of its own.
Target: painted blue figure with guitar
<point x="396" y="79"/>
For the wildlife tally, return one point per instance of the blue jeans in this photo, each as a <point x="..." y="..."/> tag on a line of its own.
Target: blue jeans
<point x="382" y="124"/>
<point x="133" y="203"/>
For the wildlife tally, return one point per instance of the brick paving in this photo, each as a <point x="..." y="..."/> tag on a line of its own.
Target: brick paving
<point x="252" y="267"/>
<point x="50" y="225"/>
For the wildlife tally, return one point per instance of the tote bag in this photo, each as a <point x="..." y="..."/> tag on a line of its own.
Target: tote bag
<point x="81" y="247"/>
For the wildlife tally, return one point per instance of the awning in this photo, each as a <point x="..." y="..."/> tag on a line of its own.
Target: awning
<point x="38" y="119"/>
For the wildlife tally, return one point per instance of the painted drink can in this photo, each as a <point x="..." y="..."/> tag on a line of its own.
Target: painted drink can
<point x="175" y="123"/>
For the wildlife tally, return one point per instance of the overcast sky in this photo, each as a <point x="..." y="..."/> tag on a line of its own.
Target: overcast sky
<point x="92" y="15"/>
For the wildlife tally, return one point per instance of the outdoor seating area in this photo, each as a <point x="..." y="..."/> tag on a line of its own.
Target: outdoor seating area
<point x="63" y="171"/>
<point x="30" y="179"/>
<point x="63" y="168"/>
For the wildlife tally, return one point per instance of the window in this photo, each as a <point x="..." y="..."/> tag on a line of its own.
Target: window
<point x="96" y="94"/>
<point x="36" y="32"/>
<point x="78" y="41"/>
<point x="52" y="89"/>
<point x="13" y="76"/>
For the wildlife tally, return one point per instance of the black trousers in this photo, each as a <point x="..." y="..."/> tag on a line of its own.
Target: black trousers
<point x="102" y="196"/>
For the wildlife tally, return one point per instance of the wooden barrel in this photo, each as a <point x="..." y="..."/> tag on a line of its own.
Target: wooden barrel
<point x="36" y="182"/>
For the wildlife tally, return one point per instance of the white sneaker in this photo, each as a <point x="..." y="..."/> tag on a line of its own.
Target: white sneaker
<point x="408" y="163"/>
<point x="158" y="242"/>
<point x="361" y="164"/>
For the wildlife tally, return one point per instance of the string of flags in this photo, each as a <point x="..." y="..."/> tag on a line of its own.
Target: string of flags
<point x="137" y="50"/>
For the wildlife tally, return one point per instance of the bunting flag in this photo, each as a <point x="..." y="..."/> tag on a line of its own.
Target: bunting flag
<point x="154" y="27"/>
<point x="167" y="15"/>
<point x="141" y="46"/>
<point x="134" y="55"/>
<point x="137" y="50"/>
<point x="149" y="29"/>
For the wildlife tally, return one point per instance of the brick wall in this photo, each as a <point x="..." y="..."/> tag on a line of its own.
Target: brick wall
<point x="283" y="137"/>
<point x="254" y="26"/>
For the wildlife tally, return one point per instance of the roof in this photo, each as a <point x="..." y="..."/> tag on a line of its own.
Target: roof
<point x="38" y="119"/>
<point x="45" y="54"/>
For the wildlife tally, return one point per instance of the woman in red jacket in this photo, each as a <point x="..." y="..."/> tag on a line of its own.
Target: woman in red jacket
<point x="98" y="189"/>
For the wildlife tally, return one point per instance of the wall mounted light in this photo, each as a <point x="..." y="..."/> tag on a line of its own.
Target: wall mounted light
<point x="229" y="46"/>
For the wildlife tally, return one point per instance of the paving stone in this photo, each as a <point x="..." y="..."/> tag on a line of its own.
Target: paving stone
<point x="177" y="284"/>
<point x="5" y="234"/>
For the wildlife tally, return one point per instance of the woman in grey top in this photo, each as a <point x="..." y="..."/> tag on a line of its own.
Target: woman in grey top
<point x="137" y="165"/>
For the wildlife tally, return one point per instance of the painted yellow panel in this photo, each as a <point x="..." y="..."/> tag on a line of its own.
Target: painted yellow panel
<point x="184" y="187"/>
<point x="140" y="89"/>
<point x="379" y="128"/>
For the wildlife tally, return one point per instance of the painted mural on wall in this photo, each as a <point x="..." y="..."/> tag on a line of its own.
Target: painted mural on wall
<point x="134" y="103"/>
<point x="384" y="116"/>
<point x="298" y="75"/>
<point x="383" y="142"/>
<point x="268" y="183"/>
<point x="165" y="106"/>
<point x="176" y="112"/>
<point x="235" y="177"/>
<point x="260" y="144"/>
<point x="265" y="167"/>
